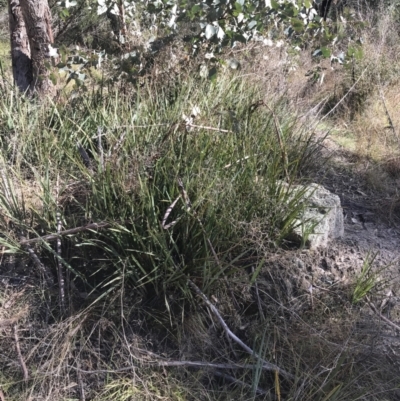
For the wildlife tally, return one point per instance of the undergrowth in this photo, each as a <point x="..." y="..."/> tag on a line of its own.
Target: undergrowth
<point x="123" y="214"/>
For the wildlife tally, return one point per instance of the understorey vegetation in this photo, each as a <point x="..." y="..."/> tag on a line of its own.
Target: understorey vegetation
<point x="147" y="207"/>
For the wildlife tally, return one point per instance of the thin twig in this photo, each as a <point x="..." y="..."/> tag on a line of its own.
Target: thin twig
<point x="100" y="147"/>
<point x="344" y="97"/>
<point x="240" y="160"/>
<point x="265" y="364"/>
<point x="37" y="262"/>
<point x="60" y="270"/>
<point x="384" y="318"/>
<point x="209" y="128"/>
<point x="80" y="381"/>
<point x="21" y="359"/>
<point x="142" y="126"/>
<point x="162" y="363"/>
<point x="391" y="125"/>
<point x="52" y="237"/>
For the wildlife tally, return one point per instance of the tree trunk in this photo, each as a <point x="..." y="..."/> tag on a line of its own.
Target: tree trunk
<point x="20" y="49"/>
<point x="36" y="25"/>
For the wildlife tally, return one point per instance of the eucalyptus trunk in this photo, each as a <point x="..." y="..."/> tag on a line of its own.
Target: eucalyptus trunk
<point x="20" y="48"/>
<point x="31" y="36"/>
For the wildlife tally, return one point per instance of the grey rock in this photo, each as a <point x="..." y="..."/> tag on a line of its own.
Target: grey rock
<point x="322" y="218"/>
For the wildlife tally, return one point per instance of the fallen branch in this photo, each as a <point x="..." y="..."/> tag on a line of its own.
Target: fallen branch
<point x="266" y="365"/>
<point x="226" y="131"/>
<point x="162" y="363"/>
<point x="38" y="264"/>
<point x="384" y="318"/>
<point x="52" y="237"/>
<point x="344" y="97"/>
<point x="82" y="396"/>
<point x="21" y="359"/>
<point x="390" y="120"/>
<point x="186" y="124"/>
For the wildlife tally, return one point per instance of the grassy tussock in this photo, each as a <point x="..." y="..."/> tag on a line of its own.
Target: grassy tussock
<point x="187" y="179"/>
<point x="137" y="148"/>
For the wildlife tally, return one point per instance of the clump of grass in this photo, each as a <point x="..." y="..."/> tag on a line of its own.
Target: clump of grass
<point x="177" y="182"/>
<point x="172" y="180"/>
<point x="136" y="149"/>
<point x="366" y="281"/>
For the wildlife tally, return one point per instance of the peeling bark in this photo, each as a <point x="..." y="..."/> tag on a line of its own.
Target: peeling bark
<point x="31" y="35"/>
<point x="20" y="49"/>
<point x="38" y="25"/>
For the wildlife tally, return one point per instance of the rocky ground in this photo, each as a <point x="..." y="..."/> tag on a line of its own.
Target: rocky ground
<point x="371" y="233"/>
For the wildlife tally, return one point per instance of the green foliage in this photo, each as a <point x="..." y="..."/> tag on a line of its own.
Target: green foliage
<point x="211" y="26"/>
<point x="139" y="150"/>
<point x="367" y="280"/>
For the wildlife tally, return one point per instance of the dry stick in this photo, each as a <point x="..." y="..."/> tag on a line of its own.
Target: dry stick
<point x="21" y="359"/>
<point x="80" y="381"/>
<point x="186" y="124"/>
<point x="242" y="160"/>
<point x="60" y="270"/>
<point x="317" y="107"/>
<point x="384" y="318"/>
<point x="266" y="365"/>
<point x="142" y="126"/>
<point x="162" y="363"/>
<point x="52" y="237"/>
<point x="188" y="206"/>
<point x="344" y="97"/>
<point x="209" y="128"/>
<point x="100" y="147"/>
<point x="36" y="261"/>
<point x="2" y="398"/>
<point x="391" y="125"/>
<point x="229" y="333"/>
